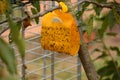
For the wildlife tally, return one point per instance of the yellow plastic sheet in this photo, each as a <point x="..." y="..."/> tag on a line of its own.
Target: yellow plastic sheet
<point x="59" y="33"/>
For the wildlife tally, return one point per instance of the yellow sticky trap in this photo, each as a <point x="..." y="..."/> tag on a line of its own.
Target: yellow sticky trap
<point x="59" y="33"/>
<point x="63" y="6"/>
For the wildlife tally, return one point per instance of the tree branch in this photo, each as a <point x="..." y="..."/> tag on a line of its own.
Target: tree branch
<point x="107" y="5"/>
<point x="87" y="63"/>
<point x="85" y="58"/>
<point x="102" y="5"/>
<point x="17" y="19"/>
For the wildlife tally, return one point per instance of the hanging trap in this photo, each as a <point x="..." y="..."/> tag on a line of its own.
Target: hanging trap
<point x="60" y="33"/>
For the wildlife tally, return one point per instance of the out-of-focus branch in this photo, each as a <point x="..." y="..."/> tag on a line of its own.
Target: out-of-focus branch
<point x="33" y="16"/>
<point x="86" y="60"/>
<point x="17" y="19"/>
<point x="102" y="5"/>
<point x="107" y="5"/>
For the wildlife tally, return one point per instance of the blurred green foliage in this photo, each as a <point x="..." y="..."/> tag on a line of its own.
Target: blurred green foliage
<point x="108" y="71"/>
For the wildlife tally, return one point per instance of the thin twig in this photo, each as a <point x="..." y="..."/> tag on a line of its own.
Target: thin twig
<point x="34" y="16"/>
<point x="1" y="32"/>
<point x="44" y="12"/>
<point x="102" y="5"/>
<point x="107" y="5"/>
<point x="4" y="21"/>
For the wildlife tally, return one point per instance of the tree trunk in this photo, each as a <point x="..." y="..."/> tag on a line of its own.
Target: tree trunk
<point x="87" y="63"/>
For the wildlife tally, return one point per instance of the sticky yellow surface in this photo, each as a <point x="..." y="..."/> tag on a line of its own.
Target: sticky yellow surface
<point x="59" y="33"/>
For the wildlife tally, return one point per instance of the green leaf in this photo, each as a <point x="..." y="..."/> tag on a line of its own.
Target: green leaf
<point x="101" y="1"/>
<point x="108" y="70"/>
<point x="90" y="26"/>
<point x="16" y="36"/>
<point x="116" y="49"/>
<point x="116" y="76"/>
<point x="116" y="15"/>
<point x="7" y="55"/>
<point x="34" y="11"/>
<point x="104" y="27"/>
<point x="9" y="6"/>
<point x="105" y="71"/>
<point x="111" y="34"/>
<point x="97" y="9"/>
<point x="78" y="14"/>
<point x="36" y="3"/>
<point x="110" y="63"/>
<point x="9" y="77"/>
<point x="111" y="19"/>
<point x="84" y="6"/>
